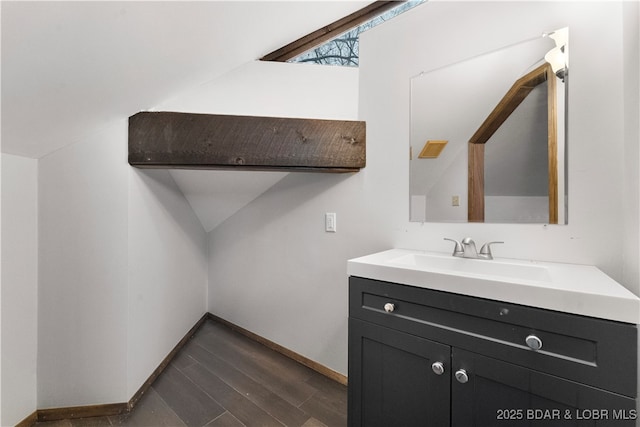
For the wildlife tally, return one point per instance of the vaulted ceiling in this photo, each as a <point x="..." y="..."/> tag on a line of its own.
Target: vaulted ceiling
<point x="69" y="68"/>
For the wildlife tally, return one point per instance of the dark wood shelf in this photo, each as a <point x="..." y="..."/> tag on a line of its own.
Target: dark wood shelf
<point x="209" y="141"/>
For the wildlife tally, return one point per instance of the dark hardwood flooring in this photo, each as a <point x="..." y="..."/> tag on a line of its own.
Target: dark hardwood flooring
<point x="223" y="379"/>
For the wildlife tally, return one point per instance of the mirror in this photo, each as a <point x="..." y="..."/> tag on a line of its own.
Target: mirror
<point x="488" y="137"/>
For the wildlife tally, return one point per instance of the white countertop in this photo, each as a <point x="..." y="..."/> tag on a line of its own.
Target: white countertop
<point x="569" y="288"/>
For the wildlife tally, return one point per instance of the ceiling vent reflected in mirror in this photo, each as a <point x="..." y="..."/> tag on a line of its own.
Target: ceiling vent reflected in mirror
<point x="432" y="149"/>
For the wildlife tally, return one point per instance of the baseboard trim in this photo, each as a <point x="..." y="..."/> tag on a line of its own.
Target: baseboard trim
<point x="29" y="421"/>
<point x="165" y="362"/>
<point x="111" y="409"/>
<point x="321" y="369"/>
<point x="54" y="414"/>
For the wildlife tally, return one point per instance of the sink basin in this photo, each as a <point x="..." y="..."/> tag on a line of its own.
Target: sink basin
<point x="507" y="269"/>
<point x="569" y="288"/>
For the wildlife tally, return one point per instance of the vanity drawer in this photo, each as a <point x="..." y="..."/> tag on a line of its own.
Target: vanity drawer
<point x="592" y="351"/>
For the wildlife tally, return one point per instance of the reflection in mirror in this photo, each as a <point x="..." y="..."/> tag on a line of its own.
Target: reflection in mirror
<point x="497" y="125"/>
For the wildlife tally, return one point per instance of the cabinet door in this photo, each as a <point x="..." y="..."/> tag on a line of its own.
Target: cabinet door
<point x="391" y="379"/>
<point x="501" y="394"/>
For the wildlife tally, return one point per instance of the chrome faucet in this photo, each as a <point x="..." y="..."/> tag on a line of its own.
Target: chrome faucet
<point x="467" y="249"/>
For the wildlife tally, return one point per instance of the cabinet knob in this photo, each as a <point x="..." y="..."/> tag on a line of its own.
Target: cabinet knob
<point x="534" y="342"/>
<point x="461" y="376"/>
<point x="438" y="368"/>
<point x="389" y="307"/>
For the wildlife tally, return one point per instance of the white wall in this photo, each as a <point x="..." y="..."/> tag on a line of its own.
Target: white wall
<point x="276" y="272"/>
<point x="167" y="271"/>
<point x="82" y="357"/>
<point x="123" y="272"/>
<point x="123" y="258"/>
<point x="262" y="273"/>
<point x="19" y="288"/>
<point x="596" y="200"/>
<point x="631" y="190"/>
<point x="516" y="209"/>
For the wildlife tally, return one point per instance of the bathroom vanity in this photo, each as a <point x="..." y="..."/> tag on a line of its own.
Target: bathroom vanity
<point x="437" y="341"/>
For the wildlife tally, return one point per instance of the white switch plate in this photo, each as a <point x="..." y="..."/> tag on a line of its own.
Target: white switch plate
<point x="455" y="201"/>
<point x="330" y="222"/>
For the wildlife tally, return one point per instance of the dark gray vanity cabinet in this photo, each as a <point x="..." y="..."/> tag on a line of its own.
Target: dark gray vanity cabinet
<point x="419" y="357"/>
<point x="500" y="393"/>
<point x="396" y="383"/>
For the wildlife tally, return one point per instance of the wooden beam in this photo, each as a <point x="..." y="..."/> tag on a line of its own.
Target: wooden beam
<point x="514" y="97"/>
<point x="330" y="31"/>
<point x="475" y="207"/>
<point x="552" y="146"/>
<point x="210" y="141"/>
<point x="507" y="105"/>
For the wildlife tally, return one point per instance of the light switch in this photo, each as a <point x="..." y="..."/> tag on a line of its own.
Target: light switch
<point x="455" y="201"/>
<point x="330" y="222"/>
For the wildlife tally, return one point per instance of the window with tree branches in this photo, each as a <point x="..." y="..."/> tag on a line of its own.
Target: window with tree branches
<point x="343" y="50"/>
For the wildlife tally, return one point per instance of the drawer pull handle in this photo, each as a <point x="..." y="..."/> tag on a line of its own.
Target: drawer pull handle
<point x="438" y="368"/>
<point x="461" y="376"/>
<point x="389" y="307"/>
<point x="534" y="342"/>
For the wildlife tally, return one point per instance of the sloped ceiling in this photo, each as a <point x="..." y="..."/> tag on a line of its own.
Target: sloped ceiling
<point x="70" y="68"/>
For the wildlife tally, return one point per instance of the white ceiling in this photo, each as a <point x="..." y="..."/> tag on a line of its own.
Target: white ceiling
<point x="69" y="68"/>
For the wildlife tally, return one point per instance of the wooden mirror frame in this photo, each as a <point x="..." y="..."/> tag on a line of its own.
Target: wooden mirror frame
<point x="513" y="98"/>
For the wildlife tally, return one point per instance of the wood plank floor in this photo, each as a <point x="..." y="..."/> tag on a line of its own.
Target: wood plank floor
<point x="223" y="379"/>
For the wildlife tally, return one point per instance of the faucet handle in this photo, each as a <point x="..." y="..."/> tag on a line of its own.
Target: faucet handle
<point x="486" y="249"/>
<point x="458" y="250"/>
